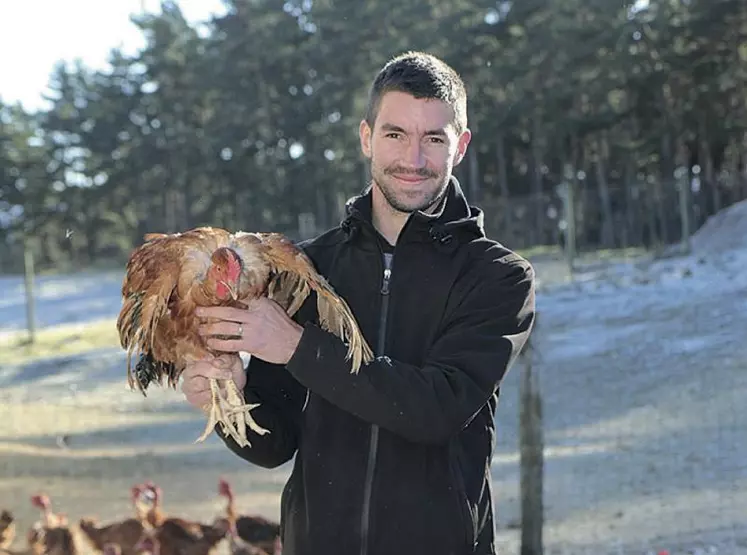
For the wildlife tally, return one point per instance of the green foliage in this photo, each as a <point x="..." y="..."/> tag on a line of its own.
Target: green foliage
<point x="253" y="123"/>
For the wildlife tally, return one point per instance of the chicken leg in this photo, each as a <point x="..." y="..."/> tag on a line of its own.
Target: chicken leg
<point x="231" y="412"/>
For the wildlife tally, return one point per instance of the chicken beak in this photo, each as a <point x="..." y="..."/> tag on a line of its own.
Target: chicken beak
<point x="231" y="290"/>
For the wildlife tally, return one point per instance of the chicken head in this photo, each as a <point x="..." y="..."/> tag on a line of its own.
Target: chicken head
<point x="225" y="272"/>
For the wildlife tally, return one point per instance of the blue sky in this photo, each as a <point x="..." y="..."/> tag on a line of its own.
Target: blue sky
<point x="85" y="29"/>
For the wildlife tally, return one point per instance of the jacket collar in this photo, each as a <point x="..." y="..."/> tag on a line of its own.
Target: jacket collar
<point x="455" y="220"/>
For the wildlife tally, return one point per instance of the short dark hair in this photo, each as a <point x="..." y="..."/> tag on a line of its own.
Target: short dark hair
<point x="421" y="75"/>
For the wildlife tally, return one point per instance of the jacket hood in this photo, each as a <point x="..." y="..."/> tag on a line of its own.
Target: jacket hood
<point x="455" y="218"/>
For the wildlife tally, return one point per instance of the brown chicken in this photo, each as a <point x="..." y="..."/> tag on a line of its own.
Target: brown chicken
<point x="179" y="536"/>
<point x="7" y="529"/>
<point x="123" y="535"/>
<point x="147" y="545"/>
<point x="255" y="530"/>
<point x="169" y="276"/>
<point x="238" y="546"/>
<point x="51" y="535"/>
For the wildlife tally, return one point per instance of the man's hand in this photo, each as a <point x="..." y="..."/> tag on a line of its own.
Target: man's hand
<point x="195" y="385"/>
<point x="263" y="330"/>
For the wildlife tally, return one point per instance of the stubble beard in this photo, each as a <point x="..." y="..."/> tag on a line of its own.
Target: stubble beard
<point x="382" y="177"/>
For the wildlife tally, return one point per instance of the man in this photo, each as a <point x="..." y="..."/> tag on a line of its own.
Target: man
<point x="395" y="459"/>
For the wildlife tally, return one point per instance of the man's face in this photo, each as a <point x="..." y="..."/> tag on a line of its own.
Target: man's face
<point x="413" y="149"/>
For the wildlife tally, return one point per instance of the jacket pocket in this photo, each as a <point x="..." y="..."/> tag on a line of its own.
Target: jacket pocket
<point x="467" y="518"/>
<point x="284" y="502"/>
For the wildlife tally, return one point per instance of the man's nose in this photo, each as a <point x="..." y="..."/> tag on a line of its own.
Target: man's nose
<point x="414" y="156"/>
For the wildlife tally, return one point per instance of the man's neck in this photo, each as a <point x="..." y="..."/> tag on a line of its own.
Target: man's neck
<point x="386" y="220"/>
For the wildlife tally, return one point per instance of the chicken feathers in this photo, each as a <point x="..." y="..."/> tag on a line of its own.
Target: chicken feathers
<point x="170" y="275"/>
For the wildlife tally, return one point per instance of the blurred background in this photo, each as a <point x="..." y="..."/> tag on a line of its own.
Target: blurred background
<point x="609" y="147"/>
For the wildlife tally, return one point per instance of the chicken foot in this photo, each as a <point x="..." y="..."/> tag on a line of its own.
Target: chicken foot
<point x="231" y="412"/>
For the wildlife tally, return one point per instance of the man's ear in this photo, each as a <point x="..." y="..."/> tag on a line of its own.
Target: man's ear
<point x="462" y="143"/>
<point x="364" y="133"/>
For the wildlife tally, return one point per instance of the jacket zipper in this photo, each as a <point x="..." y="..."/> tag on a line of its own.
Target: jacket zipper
<point x="374" y="441"/>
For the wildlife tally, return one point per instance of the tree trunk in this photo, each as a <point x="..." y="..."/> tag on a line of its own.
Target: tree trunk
<point x="531" y="450"/>
<point x="706" y="163"/>
<point x="607" y="234"/>
<point x="474" y="174"/>
<point x="537" y="236"/>
<point x="666" y="177"/>
<point x="323" y="205"/>
<point x="744" y="164"/>
<point x="634" y="231"/>
<point x="685" y="194"/>
<point x="507" y="227"/>
<point x="649" y="196"/>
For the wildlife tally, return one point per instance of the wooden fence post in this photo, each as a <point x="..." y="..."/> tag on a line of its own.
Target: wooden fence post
<point x="28" y="274"/>
<point x="531" y="451"/>
<point x="567" y="193"/>
<point x="682" y="181"/>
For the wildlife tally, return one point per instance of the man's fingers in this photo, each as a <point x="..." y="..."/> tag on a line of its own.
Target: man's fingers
<point x="197" y="391"/>
<point x="225" y="360"/>
<point x="194" y="385"/>
<point x="200" y="401"/>
<point x="222" y="328"/>
<point x="206" y="370"/>
<point x="231" y="362"/>
<point x="222" y="313"/>
<point x="225" y="345"/>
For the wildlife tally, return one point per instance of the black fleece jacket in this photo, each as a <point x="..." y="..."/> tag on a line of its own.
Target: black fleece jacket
<point x="396" y="459"/>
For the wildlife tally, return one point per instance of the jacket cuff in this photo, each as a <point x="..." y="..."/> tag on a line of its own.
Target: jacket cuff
<point x="309" y="356"/>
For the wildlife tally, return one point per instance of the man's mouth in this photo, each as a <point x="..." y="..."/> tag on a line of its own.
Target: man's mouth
<point x="410" y="178"/>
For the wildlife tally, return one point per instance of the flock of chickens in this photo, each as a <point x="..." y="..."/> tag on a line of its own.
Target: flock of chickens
<point x="148" y="532"/>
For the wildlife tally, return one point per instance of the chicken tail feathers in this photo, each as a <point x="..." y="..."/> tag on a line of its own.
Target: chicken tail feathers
<point x="149" y="284"/>
<point x="148" y="370"/>
<point x="133" y="325"/>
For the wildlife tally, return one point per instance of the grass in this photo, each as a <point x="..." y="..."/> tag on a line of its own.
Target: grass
<point x="555" y="252"/>
<point x="614" y="254"/>
<point x="15" y="348"/>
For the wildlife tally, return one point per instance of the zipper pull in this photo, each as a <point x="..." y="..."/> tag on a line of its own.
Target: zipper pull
<point x="385" y="283"/>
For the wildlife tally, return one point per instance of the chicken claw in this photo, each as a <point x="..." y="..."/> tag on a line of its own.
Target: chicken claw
<point x="231" y="413"/>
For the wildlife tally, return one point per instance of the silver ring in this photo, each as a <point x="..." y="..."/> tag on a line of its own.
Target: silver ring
<point x="241" y="330"/>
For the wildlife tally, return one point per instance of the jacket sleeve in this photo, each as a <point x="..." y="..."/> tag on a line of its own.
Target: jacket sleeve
<point x="281" y="400"/>
<point x="480" y="339"/>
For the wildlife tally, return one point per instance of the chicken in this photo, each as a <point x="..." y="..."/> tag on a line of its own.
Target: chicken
<point x="174" y="535"/>
<point x="238" y="546"/>
<point x="170" y="275"/>
<point x="49" y="519"/>
<point x="147" y="546"/>
<point x="123" y="535"/>
<point x="112" y="549"/>
<point x="7" y="529"/>
<point x="51" y="535"/>
<point x="255" y="530"/>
